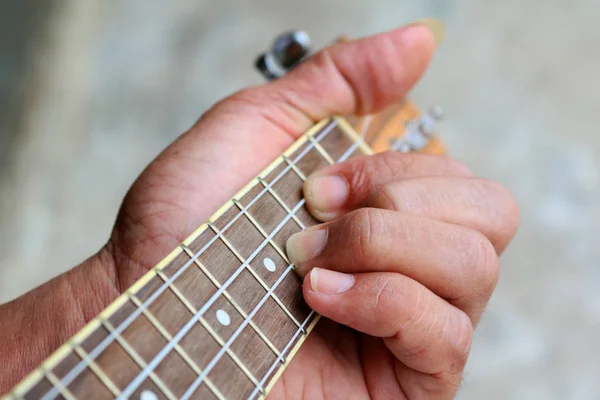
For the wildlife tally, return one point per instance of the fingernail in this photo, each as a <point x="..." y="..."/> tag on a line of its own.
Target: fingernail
<point x="326" y="195"/>
<point x="304" y="246"/>
<point x="435" y="25"/>
<point x="330" y="282"/>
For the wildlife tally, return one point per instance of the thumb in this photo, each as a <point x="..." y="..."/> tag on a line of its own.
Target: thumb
<point x="255" y="125"/>
<point x="204" y="167"/>
<point x="242" y="134"/>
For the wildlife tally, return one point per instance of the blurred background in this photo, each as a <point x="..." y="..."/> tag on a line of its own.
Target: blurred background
<point x="91" y="91"/>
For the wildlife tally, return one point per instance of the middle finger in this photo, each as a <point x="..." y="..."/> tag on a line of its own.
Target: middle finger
<point x="455" y="262"/>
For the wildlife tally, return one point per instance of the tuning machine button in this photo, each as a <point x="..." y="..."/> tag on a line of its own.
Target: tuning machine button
<point x="287" y="51"/>
<point x="418" y="132"/>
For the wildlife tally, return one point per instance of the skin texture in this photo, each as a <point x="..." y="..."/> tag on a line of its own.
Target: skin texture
<point x="419" y="235"/>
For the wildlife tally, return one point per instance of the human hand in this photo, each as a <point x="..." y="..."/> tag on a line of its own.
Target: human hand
<point x="225" y="149"/>
<point x="403" y="268"/>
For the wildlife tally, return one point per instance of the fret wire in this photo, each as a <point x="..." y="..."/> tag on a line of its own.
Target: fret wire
<point x="184" y="330"/>
<point x="322" y="151"/>
<point x="205" y="307"/>
<point x="211" y="332"/>
<point x="294" y="168"/>
<point x="226" y="241"/>
<point x="325" y="131"/>
<point x="97" y="370"/>
<point x="230" y="353"/>
<point x="215" y="336"/>
<point x="167" y="336"/>
<point x="239" y="309"/>
<point x="256" y="276"/>
<point x="218" y="356"/>
<point x="198" y="381"/>
<point x="285" y="207"/>
<point x="139" y="361"/>
<point x="285" y="350"/>
<point x="62" y="389"/>
<point x="100" y="347"/>
<point x="160" y="356"/>
<point x="262" y="231"/>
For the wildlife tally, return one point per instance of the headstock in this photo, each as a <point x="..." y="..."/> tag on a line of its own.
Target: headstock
<point x="401" y="127"/>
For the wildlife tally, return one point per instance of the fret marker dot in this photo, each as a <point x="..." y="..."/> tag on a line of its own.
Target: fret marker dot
<point x="269" y="264"/>
<point x="223" y="317"/>
<point x="148" y="395"/>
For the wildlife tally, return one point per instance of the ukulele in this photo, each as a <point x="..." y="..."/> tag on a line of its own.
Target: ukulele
<point x="222" y="315"/>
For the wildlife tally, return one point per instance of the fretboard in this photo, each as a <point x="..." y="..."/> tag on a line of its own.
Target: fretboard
<point x="222" y="315"/>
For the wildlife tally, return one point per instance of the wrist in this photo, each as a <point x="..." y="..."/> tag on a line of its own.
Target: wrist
<point x="52" y="313"/>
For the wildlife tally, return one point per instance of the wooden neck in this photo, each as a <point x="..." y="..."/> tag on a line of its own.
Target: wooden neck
<point x="223" y="314"/>
<point x="219" y="317"/>
<point x="378" y="129"/>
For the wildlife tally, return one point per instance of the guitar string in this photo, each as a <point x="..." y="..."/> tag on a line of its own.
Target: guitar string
<point x="168" y="347"/>
<point x="198" y="381"/>
<point x="300" y="329"/>
<point x="191" y="322"/>
<point x="218" y="356"/>
<point x="80" y="367"/>
<point x="280" y="358"/>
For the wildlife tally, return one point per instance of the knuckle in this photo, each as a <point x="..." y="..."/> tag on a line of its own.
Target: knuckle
<point x="507" y="209"/>
<point x="406" y="196"/>
<point x="397" y="164"/>
<point x="363" y="226"/>
<point x="383" y="299"/>
<point x="360" y="172"/>
<point x="329" y="73"/>
<point x="422" y="313"/>
<point x="323" y="60"/>
<point x="484" y="260"/>
<point x="277" y="107"/>
<point x="244" y="101"/>
<point x="459" y="341"/>
<point x="386" y="197"/>
<point x="246" y="96"/>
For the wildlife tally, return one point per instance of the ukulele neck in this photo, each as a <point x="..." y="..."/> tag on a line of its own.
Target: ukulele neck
<point x="223" y="314"/>
<point x="219" y="317"/>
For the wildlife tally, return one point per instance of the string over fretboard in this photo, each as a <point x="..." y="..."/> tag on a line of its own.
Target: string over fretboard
<point x="222" y="315"/>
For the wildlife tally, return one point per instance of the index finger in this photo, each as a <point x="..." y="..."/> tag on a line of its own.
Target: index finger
<point x="340" y="188"/>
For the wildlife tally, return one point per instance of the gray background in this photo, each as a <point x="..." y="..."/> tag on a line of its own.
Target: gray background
<point x="90" y="91"/>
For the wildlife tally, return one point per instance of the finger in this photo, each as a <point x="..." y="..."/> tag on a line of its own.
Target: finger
<point x="340" y="188"/>
<point x="254" y="125"/>
<point x="475" y="203"/>
<point x="423" y="331"/>
<point x="457" y="263"/>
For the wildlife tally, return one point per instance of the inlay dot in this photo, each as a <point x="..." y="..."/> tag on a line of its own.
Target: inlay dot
<point x="148" y="395"/>
<point x="223" y="317"/>
<point x="269" y="264"/>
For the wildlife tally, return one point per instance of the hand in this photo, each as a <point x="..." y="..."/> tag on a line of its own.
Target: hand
<point x="407" y="260"/>
<point x="190" y="179"/>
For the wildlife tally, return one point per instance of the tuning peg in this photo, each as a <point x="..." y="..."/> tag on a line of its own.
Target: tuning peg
<point x="429" y="120"/>
<point x="418" y="132"/>
<point x="288" y="50"/>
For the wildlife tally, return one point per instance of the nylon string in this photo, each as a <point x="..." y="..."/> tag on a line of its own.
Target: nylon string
<point x="81" y="366"/>
<point x="165" y="351"/>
